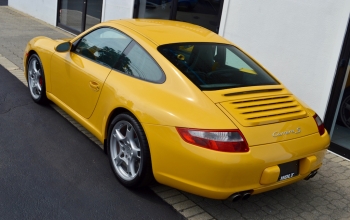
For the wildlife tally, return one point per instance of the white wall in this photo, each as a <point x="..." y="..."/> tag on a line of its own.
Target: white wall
<point x="298" y="41"/>
<point x="117" y="9"/>
<point x="45" y="10"/>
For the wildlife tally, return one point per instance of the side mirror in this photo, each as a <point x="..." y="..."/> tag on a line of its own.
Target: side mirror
<point x="63" y="47"/>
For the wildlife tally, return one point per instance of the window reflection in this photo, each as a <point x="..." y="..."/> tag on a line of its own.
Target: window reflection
<point x="103" y="45"/>
<point x="159" y="9"/>
<point x="205" y="13"/>
<point x="93" y="13"/>
<point x="138" y="63"/>
<point x="70" y="13"/>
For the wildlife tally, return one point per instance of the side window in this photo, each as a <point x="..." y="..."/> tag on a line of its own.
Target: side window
<point x="234" y="61"/>
<point x="103" y="45"/>
<point x="138" y="63"/>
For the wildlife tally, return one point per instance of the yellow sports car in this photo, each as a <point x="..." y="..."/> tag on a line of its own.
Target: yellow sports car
<point x="176" y="102"/>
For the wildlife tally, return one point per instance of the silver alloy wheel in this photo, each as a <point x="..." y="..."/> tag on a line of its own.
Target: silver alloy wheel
<point x="345" y="111"/>
<point x="125" y="150"/>
<point x="35" y="79"/>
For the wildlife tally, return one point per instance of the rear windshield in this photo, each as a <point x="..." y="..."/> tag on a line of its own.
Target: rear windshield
<point x="213" y="66"/>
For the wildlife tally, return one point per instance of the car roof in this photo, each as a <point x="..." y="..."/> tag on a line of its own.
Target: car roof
<point x="166" y="31"/>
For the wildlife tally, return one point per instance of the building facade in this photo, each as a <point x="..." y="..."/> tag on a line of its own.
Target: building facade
<point x="306" y="44"/>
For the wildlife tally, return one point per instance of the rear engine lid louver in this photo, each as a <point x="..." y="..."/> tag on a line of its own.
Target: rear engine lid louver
<point x="265" y="110"/>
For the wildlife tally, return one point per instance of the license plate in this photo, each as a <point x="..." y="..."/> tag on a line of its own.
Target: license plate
<point x="289" y="170"/>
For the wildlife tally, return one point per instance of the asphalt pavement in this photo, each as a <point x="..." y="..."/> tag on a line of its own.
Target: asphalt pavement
<point x="50" y="170"/>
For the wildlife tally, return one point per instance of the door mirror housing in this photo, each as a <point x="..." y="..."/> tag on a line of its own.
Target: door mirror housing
<point x="63" y="47"/>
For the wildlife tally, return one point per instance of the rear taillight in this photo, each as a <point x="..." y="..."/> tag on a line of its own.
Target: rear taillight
<point x="320" y="124"/>
<point x="219" y="140"/>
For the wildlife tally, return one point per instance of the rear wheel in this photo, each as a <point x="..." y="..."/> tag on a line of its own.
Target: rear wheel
<point x="36" y="79"/>
<point x="128" y="151"/>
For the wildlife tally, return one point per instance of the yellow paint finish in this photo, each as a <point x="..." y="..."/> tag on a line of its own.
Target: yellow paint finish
<point x="167" y="31"/>
<point x="305" y="164"/>
<point x="90" y="93"/>
<point x="270" y="175"/>
<point x="44" y="47"/>
<point x="224" y="95"/>
<point x="264" y="134"/>
<point x="218" y="175"/>
<point x="77" y="81"/>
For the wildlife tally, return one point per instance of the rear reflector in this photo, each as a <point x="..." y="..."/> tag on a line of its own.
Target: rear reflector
<point x="219" y="140"/>
<point x="320" y="124"/>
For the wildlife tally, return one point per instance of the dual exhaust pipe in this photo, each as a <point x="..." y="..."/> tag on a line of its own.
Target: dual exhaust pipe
<point x="312" y="174"/>
<point x="240" y="196"/>
<point x="246" y="194"/>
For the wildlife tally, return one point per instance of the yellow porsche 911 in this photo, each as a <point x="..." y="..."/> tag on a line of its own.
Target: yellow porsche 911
<point x="176" y="102"/>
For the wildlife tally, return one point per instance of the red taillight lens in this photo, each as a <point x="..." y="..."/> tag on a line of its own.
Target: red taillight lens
<point x="226" y="141"/>
<point x="320" y="124"/>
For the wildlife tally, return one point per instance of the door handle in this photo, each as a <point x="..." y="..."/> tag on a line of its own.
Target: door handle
<point x="94" y="86"/>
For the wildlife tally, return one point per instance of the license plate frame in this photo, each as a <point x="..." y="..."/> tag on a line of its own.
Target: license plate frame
<point x="288" y="170"/>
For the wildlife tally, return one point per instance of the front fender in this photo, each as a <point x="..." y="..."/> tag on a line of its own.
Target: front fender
<point x="44" y="47"/>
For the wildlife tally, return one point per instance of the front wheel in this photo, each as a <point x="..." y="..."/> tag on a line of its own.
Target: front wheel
<point x="36" y="79"/>
<point x="128" y="151"/>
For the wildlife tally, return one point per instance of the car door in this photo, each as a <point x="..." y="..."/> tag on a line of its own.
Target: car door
<point x="77" y="77"/>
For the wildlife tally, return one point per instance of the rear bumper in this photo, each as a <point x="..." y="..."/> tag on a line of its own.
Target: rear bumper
<point x="218" y="175"/>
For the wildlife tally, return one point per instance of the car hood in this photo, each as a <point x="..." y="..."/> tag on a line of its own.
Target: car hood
<point x="265" y="114"/>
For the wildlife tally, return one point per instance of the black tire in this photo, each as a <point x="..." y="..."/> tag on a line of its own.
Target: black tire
<point x="128" y="152"/>
<point x="36" y="79"/>
<point x="344" y="110"/>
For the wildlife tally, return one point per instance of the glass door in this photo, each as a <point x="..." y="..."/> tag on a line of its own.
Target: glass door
<point x="337" y="119"/>
<point x="93" y="13"/>
<point x="78" y="15"/>
<point x="71" y="14"/>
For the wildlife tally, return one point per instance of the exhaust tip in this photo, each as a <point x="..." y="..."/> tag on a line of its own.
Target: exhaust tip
<point x="235" y="197"/>
<point x="246" y="195"/>
<point x="311" y="175"/>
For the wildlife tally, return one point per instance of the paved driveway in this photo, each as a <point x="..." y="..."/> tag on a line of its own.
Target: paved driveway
<point x="50" y="170"/>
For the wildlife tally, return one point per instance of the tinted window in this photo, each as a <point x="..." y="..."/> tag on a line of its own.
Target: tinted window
<point x="138" y="63"/>
<point x="216" y="66"/>
<point x="103" y="45"/>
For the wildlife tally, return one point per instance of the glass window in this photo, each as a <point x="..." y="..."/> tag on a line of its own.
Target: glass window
<point x="138" y="63"/>
<point x="206" y="13"/>
<point x="213" y="66"/>
<point x="70" y="14"/>
<point x="93" y="13"/>
<point x="160" y="9"/>
<point x="103" y="45"/>
<point x="79" y="15"/>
